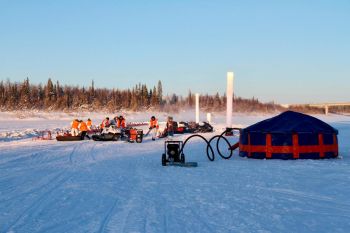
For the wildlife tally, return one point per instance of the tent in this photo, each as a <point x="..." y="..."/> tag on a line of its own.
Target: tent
<point x="290" y="135"/>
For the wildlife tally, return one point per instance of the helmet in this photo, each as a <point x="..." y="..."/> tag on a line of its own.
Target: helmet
<point x="107" y="118"/>
<point x="153" y="117"/>
<point x="120" y="117"/>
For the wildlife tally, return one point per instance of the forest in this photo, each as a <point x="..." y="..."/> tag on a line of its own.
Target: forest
<point x="53" y="96"/>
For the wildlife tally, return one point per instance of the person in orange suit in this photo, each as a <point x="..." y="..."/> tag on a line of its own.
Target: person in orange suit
<point x="153" y="127"/>
<point x="74" y="127"/>
<point x="83" y="129"/>
<point x="121" y="122"/>
<point x="89" y="124"/>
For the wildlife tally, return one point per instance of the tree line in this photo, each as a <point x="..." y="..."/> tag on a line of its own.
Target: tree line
<point x="55" y="96"/>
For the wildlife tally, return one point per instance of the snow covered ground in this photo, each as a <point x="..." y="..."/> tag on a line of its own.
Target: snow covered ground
<point x="87" y="186"/>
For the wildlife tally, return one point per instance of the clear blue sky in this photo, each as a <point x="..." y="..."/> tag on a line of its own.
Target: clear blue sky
<point x="286" y="51"/>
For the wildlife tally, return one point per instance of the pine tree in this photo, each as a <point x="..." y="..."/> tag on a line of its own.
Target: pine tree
<point x="190" y="99"/>
<point x="154" y="98"/>
<point x="25" y="101"/>
<point x="49" y="92"/>
<point x="2" y="93"/>
<point x="160" y="93"/>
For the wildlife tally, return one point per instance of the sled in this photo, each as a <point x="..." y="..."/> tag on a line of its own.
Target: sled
<point x="44" y="135"/>
<point x="68" y="138"/>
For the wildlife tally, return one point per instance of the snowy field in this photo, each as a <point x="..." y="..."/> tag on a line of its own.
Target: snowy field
<point x="87" y="186"/>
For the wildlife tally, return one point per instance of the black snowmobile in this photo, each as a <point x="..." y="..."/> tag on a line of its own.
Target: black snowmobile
<point x="112" y="133"/>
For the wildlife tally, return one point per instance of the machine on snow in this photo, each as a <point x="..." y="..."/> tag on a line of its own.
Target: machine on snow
<point x="112" y="133"/>
<point x="173" y="155"/>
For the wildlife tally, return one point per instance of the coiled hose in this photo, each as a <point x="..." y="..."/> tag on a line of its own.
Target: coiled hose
<point x="209" y="150"/>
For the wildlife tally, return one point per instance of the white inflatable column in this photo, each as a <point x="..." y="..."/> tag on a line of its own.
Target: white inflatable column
<point x="197" y="108"/>
<point x="229" y="99"/>
<point x="209" y="117"/>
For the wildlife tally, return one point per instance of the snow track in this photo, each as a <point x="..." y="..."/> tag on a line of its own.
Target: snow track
<point x="87" y="186"/>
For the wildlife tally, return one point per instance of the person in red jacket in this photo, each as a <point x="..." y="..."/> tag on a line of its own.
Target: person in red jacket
<point x="153" y="127"/>
<point x="105" y="123"/>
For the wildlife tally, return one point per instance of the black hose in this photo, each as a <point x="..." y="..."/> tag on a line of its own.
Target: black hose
<point x="219" y="137"/>
<point x="209" y="147"/>
<point x="228" y="143"/>
<point x="211" y="158"/>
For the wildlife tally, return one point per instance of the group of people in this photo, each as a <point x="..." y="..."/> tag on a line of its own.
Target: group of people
<point x="80" y="128"/>
<point x="154" y="128"/>
<point x="119" y="122"/>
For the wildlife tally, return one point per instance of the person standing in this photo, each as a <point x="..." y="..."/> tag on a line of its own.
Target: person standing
<point x="74" y="127"/>
<point x="89" y="124"/>
<point x="105" y="123"/>
<point x="153" y="127"/>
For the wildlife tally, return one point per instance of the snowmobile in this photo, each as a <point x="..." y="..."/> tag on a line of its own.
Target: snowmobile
<point x="189" y="127"/>
<point x="111" y="133"/>
<point x="173" y="155"/>
<point x="203" y="127"/>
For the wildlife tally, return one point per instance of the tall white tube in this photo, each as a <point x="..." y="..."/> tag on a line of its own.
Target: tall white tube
<point x="209" y="117"/>
<point x="229" y="99"/>
<point x="197" y="108"/>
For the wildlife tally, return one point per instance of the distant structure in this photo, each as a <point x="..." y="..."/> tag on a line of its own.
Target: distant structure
<point x="325" y="106"/>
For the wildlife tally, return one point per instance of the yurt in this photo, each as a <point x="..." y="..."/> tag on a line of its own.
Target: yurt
<point x="290" y="135"/>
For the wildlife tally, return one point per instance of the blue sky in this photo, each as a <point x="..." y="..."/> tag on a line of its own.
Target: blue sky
<point x="283" y="51"/>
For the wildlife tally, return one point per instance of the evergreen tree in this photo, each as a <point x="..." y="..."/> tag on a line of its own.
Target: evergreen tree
<point x="25" y="101"/>
<point x="160" y="93"/>
<point x="49" y="93"/>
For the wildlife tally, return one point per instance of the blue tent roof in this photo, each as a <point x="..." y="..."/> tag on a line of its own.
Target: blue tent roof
<point x="291" y="122"/>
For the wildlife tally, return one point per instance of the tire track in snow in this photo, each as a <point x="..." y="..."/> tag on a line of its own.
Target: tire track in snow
<point x="72" y="153"/>
<point x="31" y="209"/>
<point x="33" y="190"/>
<point x="92" y="152"/>
<point x="111" y="211"/>
<point x="195" y="216"/>
<point x="45" y="196"/>
<point x="107" y="218"/>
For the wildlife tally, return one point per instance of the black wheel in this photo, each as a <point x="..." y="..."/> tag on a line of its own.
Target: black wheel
<point x="182" y="158"/>
<point x="163" y="160"/>
<point x="138" y="139"/>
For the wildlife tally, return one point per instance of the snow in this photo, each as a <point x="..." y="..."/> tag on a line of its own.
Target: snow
<point x="87" y="186"/>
